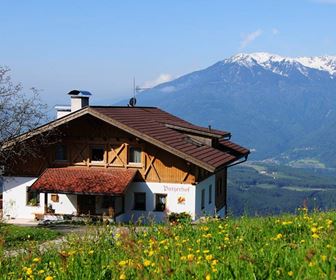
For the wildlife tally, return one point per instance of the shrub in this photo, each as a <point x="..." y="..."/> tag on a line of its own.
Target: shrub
<point x="177" y="218"/>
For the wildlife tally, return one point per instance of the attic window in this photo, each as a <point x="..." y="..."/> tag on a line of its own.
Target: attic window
<point x="61" y="152"/>
<point x="134" y="155"/>
<point x="97" y="153"/>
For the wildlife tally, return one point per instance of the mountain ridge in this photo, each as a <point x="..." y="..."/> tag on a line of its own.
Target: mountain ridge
<point x="271" y="104"/>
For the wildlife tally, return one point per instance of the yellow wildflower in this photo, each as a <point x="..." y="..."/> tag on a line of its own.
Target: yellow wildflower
<point x="214" y="262"/>
<point x="315" y="235"/>
<point x="207" y="277"/>
<point x="49" y="278"/>
<point x="122" y="263"/>
<point x="29" y="271"/>
<point x="209" y="257"/>
<point x="290" y="273"/>
<point x="147" y="263"/>
<point x="36" y="259"/>
<point x="190" y="257"/>
<point x="40" y="272"/>
<point x="323" y="258"/>
<point x="313" y="229"/>
<point x="279" y="236"/>
<point x="151" y="253"/>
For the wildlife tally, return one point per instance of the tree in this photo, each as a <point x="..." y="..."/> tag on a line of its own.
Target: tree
<point x="20" y="112"/>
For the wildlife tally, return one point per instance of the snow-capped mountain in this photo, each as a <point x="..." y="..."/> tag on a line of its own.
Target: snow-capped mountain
<point x="273" y="62"/>
<point x="270" y="103"/>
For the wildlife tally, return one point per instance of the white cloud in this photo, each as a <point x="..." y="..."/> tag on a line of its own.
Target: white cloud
<point x="163" y="78"/>
<point x="275" y="31"/>
<point x="249" y="38"/>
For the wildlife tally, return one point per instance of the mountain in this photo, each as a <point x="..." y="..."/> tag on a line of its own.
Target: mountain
<point x="280" y="107"/>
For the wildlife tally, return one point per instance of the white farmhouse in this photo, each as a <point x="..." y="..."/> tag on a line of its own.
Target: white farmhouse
<point x="122" y="162"/>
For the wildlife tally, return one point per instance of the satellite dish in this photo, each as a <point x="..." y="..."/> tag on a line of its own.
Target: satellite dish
<point x="132" y="102"/>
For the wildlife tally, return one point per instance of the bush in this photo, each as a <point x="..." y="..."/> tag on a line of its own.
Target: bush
<point x="177" y="218"/>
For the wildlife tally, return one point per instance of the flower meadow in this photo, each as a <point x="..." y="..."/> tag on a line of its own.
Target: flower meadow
<point x="301" y="246"/>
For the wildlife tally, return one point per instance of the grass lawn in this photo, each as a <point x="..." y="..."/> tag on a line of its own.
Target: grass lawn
<point x="12" y="236"/>
<point x="299" y="246"/>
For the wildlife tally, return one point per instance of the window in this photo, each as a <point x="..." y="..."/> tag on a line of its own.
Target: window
<point x="54" y="198"/>
<point x="210" y="194"/>
<point x="220" y="186"/>
<point x="108" y="201"/>
<point x="61" y="152"/>
<point x="33" y="198"/>
<point x="160" y="202"/>
<point x="134" y="155"/>
<point x="139" y="201"/>
<point x="97" y="153"/>
<point x="202" y="199"/>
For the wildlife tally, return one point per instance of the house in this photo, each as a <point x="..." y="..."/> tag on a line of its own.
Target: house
<point x="124" y="162"/>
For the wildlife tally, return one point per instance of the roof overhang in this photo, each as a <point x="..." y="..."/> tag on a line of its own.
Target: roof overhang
<point x="79" y="180"/>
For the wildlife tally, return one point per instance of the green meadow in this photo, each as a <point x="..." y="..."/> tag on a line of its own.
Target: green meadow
<point x="298" y="246"/>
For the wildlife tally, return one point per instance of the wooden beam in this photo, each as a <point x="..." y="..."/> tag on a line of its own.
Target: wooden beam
<point x="151" y="166"/>
<point x="116" y="155"/>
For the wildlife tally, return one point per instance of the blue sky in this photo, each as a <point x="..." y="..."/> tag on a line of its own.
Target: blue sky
<point x="99" y="46"/>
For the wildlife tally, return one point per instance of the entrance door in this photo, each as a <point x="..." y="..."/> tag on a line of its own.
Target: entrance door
<point x="86" y="204"/>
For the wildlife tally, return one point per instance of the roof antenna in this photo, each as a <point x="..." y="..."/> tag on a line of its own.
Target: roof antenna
<point x="132" y="101"/>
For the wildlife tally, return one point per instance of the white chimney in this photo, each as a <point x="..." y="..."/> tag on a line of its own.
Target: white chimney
<point x="79" y="100"/>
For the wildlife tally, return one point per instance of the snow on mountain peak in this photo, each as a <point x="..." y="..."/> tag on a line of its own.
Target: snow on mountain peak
<point x="273" y="61"/>
<point x="322" y="63"/>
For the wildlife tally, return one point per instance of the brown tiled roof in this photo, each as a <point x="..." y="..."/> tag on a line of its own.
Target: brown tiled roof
<point x="235" y="148"/>
<point x="161" y="129"/>
<point x="152" y="123"/>
<point x="84" y="180"/>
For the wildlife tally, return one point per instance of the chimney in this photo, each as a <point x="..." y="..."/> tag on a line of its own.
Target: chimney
<point x="79" y="99"/>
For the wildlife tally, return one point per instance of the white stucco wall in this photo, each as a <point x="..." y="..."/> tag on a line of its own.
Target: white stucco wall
<point x="15" y="196"/>
<point x="67" y="204"/>
<point x="173" y="191"/>
<point x="209" y="208"/>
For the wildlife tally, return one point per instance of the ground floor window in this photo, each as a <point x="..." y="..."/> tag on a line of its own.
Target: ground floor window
<point x="139" y="201"/>
<point x="202" y="199"/>
<point x="160" y="202"/>
<point x="33" y="198"/>
<point x="108" y="201"/>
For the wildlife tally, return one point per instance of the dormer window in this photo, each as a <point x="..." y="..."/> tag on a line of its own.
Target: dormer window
<point x="61" y="152"/>
<point x="134" y="155"/>
<point x="97" y="153"/>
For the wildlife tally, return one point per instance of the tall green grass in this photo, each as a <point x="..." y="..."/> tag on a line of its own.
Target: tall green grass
<point x="287" y="247"/>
